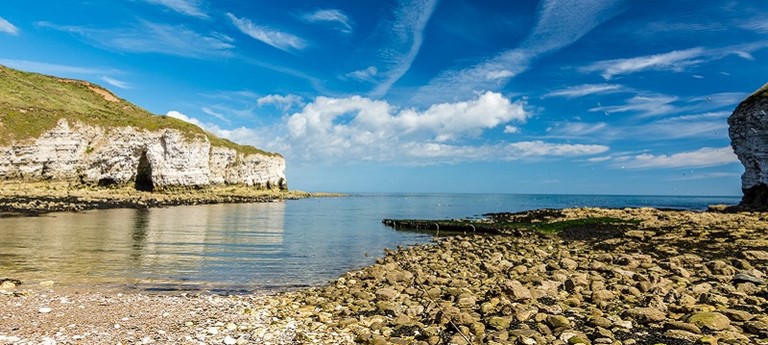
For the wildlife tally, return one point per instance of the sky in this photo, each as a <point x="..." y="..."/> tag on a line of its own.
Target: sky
<point x="454" y="96"/>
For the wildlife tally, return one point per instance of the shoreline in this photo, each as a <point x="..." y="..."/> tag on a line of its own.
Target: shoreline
<point x="29" y="199"/>
<point x="672" y="277"/>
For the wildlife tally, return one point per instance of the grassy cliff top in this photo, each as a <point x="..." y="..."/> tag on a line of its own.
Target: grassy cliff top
<point x="32" y="103"/>
<point x="761" y="93"/>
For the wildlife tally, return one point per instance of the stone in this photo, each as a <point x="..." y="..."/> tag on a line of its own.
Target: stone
<point x="748" y="130"/>
<point x="558" y="321"/>
<point x="755" y="255"/>
<point x="229" y="340"/>
<point x="499" y="323"/>
<point x="746" y="278"/>
<point x="44" y="310"/>
<point x="710" y="320"/>
<point x="386" y="294"/>
<point x="756" y="327"/>
<point x="681" y="334"/>
<point x="517" y="291"/>
<point x="645" y="315"/>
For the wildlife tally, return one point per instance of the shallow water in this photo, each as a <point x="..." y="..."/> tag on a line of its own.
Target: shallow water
<point x="246" y="247"/>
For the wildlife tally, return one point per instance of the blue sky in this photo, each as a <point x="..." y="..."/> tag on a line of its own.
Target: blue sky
<point x="550" y="96"/>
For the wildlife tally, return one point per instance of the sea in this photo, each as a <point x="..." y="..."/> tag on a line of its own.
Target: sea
<point x="243" y="248"/>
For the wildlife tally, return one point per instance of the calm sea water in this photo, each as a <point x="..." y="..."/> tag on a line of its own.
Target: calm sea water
<point x="246" y="247"/>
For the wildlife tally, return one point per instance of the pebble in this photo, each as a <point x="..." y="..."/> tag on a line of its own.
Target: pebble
<point x="44" y="310"/>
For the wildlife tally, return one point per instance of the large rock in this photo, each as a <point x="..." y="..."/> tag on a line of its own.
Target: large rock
<point x="149" y="159"/>
<point x="749" y="138"/>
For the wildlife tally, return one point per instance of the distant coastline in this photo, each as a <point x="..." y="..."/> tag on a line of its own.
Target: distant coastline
<point x="39" y="198"/>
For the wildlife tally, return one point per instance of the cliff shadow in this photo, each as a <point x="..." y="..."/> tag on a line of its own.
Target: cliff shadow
<point x="144" y="174"/>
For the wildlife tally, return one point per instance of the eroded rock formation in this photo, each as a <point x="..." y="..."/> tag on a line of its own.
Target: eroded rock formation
<point x="749" y="138"/>
<point x="126" y="155"/>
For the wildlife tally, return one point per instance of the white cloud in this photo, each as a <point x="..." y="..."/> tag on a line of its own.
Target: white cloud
<point x="404" y="36"/>
<point x="187" y="7"/>
<point x="511" y="129"/>
<point x="366" y="74"/>
<point x="559" y="23"/>
<point x="56" y="69"/>
<point x="115" y="82"/>
<point x="147" y="37"/>
<point x="676" y="61"/>
<point x="577" y="129"/>
<point x="278" y="39"/>
<point x="757" y="24"/>
<point x="330" y="16"/>
<point x="703" y="157"/>
<point x="7" y="27"/>
<point x="333" y="130"/>
<point x="585" y="90"/>
<point x="644" y="105"/>
<point x="181" y="116"/>
<point x="285" y="102"/>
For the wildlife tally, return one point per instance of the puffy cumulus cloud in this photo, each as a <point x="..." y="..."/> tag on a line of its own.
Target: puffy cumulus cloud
<point x="365" y="129"/>
<point x="332" y="130"/>
<point x="703" y="157"/>
<point x="440" y="122"/>
<point x="181" y="116"/>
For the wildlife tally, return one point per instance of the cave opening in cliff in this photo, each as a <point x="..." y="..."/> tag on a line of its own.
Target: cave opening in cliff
<point x="144" y="174"/>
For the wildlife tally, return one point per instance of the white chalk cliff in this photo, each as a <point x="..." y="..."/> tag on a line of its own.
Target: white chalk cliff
<point x="149" y="160"/>
<point x="748" y="129"/>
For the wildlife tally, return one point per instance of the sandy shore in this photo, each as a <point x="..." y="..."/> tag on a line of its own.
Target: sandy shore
<point x="635" y="276"/>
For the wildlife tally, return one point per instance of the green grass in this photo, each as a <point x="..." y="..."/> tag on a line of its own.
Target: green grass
<point x="759" y="94"/>
<point x="32" y="103"/>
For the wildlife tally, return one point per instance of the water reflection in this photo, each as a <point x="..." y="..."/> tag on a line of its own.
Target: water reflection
<point x="196" y="245"/>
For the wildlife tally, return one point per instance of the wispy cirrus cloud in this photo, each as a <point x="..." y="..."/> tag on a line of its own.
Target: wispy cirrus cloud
<point x="148" y="37"/>
<point x="275" y="38"/>
<point x="559" y="23"/>
<point x="401" y="41"/>
<point x="331" y="16"/>
<point x="57" y="69"/>
<point x="116" y="82"/>
<point x="585" y="90"/>
<point x="675" y="61"/>
<point x="703" y="157"/>
<point x="186" y="7"/>
<point x="7" y="27"/>
<point x="643" y="105"/>
<point x="757" y="24"/>
<point x="366" y="74"/>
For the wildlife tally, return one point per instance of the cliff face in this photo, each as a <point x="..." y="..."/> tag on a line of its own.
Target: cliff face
<point x="148" y="159"/>
<point x="749" y="137"/>
<point x="63" y="129"/>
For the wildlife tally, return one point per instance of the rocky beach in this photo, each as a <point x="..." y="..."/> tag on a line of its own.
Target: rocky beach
<point x="573" y="276"/>
<point x="34" y="199"/>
